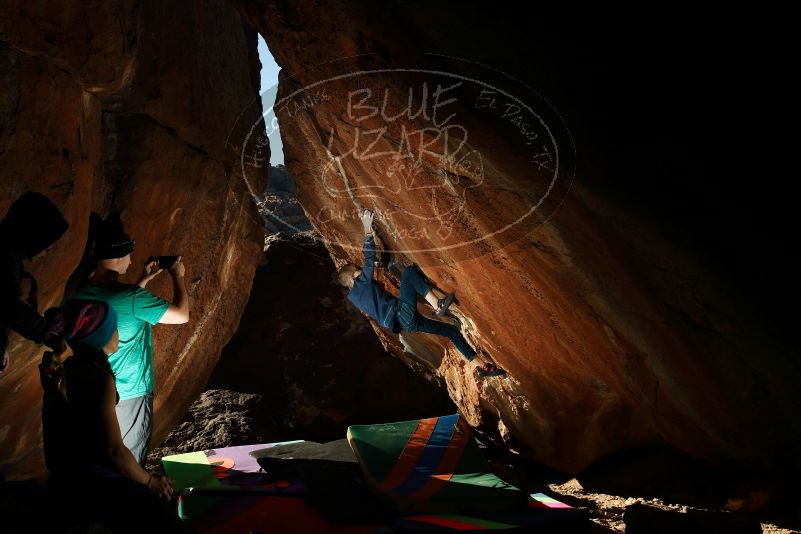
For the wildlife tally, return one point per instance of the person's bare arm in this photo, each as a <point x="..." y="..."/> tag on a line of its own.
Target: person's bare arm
<point x="178" y="312"/>
<point x="149" y="272"/>
<point x="116" y="451"/>
<point x="101" y="408"/>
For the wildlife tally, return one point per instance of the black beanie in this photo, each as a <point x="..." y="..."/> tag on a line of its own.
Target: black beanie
<point x="112" y="241"/>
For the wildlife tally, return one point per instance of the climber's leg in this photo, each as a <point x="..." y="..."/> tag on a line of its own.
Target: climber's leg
<point x="412" y="321"/>
<point x="451" y="332"/>
<point x="412" y="284"/>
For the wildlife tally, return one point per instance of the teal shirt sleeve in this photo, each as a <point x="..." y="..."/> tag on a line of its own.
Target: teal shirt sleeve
<point x="148" y="307"/>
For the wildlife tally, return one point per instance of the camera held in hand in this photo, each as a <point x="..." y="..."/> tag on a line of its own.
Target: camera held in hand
<point x="166" y="262"/>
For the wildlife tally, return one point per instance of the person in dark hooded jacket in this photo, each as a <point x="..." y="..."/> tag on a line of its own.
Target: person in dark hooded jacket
<point x="31" y="225"/>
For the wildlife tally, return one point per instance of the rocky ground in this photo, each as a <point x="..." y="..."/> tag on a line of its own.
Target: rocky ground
<point x="219" y="418"/>
<point x="661" y="490"/>
<point x="609" y="513"/>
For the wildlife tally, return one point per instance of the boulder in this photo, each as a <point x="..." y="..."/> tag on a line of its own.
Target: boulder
<point x="572" y="181"/>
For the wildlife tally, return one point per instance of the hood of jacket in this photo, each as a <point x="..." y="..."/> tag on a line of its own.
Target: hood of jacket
<point x="32" y="224"/>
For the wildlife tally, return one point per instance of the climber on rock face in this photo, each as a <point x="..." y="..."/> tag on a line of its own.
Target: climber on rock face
<point x="138" y="310"/>
<point x="400" y="314"/>
<point x="33" y="223"/>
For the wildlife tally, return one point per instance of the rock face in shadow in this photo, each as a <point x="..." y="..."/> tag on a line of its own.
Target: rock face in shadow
<point x="312" y="359"/>
<point x="279" y="206"/>
<point x="600" y="268"/>
<point x="128" y="106"/>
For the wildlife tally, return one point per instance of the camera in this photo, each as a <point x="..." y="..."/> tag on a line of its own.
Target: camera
<point x="165" y="262"/>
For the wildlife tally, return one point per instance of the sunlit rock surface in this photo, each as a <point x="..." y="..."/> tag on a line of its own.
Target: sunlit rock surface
<point x="623" y="306"/>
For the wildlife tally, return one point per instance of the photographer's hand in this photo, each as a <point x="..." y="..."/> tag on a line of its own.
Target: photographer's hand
<point x="178" y="269"/>
<point x="178" y="312"/>
<point x="149" y="272"/>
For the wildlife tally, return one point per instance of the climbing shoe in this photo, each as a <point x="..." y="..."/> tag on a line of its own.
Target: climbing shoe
<point x="490" y="369"/>
<point x="444" y="304"/>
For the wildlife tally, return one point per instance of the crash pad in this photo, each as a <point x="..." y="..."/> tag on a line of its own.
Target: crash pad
<point x="430" y="466"/>
<point x="226" y="468"/>
<point x="216" y="485"/>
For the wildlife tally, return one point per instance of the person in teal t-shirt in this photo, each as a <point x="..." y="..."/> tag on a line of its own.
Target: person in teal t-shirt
<point x="137" y="311"/>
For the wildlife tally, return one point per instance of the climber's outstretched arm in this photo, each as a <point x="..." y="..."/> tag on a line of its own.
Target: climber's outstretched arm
<point x="369" y="244"/>
<point x="367" y="221"/>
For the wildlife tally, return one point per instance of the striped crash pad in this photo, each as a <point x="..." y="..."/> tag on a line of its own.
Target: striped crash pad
<point x="542" y="511"/>
<point x="430" y="466"/>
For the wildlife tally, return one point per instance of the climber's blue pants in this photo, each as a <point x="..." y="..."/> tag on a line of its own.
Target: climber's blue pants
<point x="410" y="320"/>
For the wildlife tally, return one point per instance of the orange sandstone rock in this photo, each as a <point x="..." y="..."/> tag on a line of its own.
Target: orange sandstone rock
<point x="613" y="334"/>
